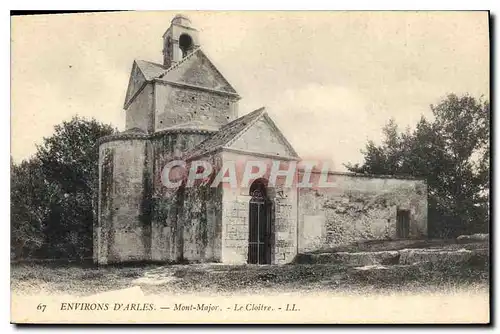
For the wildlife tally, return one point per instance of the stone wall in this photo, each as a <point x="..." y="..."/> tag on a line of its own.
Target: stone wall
<point x="166" y="233"/>
<point x="171" y="146"/>
<point x="285" y="220"/>
<point x="177" y="105"/>
<point x="140" y="112"/>
<point x="235" y="228"/>
<point x="123" y="231"/>
<point x="171" y="206"/>
<point x="167" y="203"/>
<point x="359" y="208"/>
<point x="191" y="223"/>
<point x="235" y="220"/>
<point x="201" y="219"/>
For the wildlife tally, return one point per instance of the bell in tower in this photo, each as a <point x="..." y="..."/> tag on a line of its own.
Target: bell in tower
<point x="179" y="40"/>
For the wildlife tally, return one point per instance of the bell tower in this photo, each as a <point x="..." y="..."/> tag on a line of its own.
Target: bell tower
<point x="179" y="39"/>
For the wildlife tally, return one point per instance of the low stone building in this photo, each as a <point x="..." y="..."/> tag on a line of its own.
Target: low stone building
<point x="185" y="110"/>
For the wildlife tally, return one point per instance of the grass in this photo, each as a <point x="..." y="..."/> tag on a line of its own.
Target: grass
<point x="86" y="279"/>
<point x="33" y="278"/>
<point x="213" y="278"/>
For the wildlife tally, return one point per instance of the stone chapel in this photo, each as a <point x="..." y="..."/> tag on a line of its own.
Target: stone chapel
<point x="184" y="108"/>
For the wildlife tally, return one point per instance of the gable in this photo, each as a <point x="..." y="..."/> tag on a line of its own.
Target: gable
<point x="137" y="79"/>
<point x="225" y="135"/>
<point x="263" y="137"/>
<point x="198" y="70"/>
<point x="254" y="132"/>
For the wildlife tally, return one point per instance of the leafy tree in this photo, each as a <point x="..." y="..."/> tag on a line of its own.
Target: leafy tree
<point x="452" y="153"/>
<point x="63" y="186"/>
<point x="28" y="208"/>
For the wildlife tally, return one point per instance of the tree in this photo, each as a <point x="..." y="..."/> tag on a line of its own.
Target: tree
<point x="63" y="185"/>
<point x="452" y="153"/>
<point x="28" y="208"/>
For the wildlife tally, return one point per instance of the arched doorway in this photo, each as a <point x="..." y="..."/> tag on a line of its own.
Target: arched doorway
<point x="260" y="225"/>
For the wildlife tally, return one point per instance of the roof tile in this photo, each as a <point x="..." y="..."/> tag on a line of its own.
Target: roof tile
<point x="226" y="133"/>
<point x="149" y="69"/>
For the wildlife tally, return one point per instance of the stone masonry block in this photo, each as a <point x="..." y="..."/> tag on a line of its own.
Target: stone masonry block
<point x="231" y="221"/>
<point x="284" y="243"/>
<point x="231" y="228"/>
<point x="241" y="221"/>
<point x="231" y="236"/>
<point x="240" y="205"/>
<point x="227" y="206"/>
<point x="243" y="214"/>
<point x="281" y="226"/>
<point x="241" y="235"/>
<point x="236" y="243"/>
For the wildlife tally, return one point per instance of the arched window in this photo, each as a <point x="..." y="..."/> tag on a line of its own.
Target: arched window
<point x="185" y="44"/>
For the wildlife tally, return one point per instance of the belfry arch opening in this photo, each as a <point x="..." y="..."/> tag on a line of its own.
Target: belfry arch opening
<point x="185" y="44"/>
<point x="260" y="227"/>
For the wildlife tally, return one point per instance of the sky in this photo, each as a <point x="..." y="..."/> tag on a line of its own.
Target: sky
<point x="330" y="80"/>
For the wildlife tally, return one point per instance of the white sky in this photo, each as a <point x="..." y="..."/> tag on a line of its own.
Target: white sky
<point x="330" y="80"/>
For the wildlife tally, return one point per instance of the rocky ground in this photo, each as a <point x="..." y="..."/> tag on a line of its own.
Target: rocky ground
<point x="353" y="269"/>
